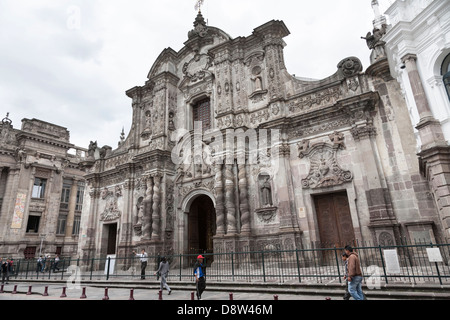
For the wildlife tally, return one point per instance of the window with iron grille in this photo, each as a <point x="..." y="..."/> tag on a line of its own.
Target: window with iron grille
<point x="29" y="252"/>
<point x="202" y="112"/>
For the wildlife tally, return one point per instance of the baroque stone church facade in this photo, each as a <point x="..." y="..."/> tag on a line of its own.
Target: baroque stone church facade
<point x="229" y="152"/>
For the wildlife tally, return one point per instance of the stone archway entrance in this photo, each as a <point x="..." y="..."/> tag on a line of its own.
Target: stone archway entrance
<point x="201" y="225"/>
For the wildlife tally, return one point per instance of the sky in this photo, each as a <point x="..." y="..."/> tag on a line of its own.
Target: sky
<point x="70" y="62"/>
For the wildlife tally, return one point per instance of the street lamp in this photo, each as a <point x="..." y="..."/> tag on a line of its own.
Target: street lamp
<point x="42" y="236"/>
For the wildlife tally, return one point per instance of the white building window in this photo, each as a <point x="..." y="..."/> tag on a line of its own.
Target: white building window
<point x="39" y="188"/>
<point x="445" y="72"/>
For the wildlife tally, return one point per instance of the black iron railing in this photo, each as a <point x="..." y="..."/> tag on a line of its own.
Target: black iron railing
<point x="407" y="263"/>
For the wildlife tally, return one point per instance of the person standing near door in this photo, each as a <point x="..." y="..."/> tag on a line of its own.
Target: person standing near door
<point x="200" y="276"/>
<point x="143" y="258"/>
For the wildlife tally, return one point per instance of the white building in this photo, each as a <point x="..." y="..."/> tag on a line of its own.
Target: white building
<point x="422" y="28"/>
<point x="417" y="44"/>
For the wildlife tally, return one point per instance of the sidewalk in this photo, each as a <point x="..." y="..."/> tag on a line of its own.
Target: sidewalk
<point x="149" y="289"/>
<point x="98" y="293"/>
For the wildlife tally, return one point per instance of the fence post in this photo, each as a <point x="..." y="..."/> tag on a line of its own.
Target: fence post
<point x="298" y="266"/>
<point x="382" y="262"/>
<point x="232" y="265"/>
<point x="180" y="265"/>
<point x="50" y="269"/>
<point x="107" y="270"/>
<point x="18" y="269"/>
<point x="26" y="273"/>
<point x="92" y="267"/>
<point x="264" y="269"/>
<point x="63" y="266"/>
<point x="337" y="264"/>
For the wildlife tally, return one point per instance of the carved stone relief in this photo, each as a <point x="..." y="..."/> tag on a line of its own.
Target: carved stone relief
<point x="196" y="68"/>
<point x="350" y="67"/>
<point x="325" y="170"/>
<point x="111" y="211"/>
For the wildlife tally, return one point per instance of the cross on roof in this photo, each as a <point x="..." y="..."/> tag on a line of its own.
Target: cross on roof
<point x="199" y="4"/>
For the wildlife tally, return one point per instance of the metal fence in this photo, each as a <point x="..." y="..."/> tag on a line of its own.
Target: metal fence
<point x="409" y="263"/>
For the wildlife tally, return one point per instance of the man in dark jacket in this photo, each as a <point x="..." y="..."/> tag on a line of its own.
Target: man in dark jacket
<point x="200" y="276"/>
<point x="354" y="274"/>
<point x="4" y="269"/>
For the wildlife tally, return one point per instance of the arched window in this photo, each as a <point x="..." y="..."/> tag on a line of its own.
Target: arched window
<point x="445" y="72"/>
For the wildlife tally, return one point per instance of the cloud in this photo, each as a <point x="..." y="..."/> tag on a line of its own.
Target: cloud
<point x="70" y="62"/>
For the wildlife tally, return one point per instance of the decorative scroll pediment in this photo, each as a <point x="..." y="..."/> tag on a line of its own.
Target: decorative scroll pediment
<point x="196" y="68"/>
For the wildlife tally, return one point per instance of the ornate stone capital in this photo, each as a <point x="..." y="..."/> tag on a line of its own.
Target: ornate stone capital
<point x="367" y="131"/>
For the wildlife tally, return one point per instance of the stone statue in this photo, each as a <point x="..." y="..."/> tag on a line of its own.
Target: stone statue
<point x="147" y="133"/>
<point x="91" y="149"/>
<point x="375" y="43"/>
<point x="374" y="39"/>
<point x="171" y="122"/>
<point x="266" y="193"/>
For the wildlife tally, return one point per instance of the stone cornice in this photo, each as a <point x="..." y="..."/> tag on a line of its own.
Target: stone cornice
<point x="31" y="136"/>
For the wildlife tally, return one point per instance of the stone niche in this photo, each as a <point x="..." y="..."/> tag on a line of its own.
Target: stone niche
<point x="266" y="211"/>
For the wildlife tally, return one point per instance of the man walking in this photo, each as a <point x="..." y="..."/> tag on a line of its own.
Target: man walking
<point x="200" y="276"/>
<point x="354" y="274"/>
<point x="56" y="263"/>
<point x="4" y="270"/>
<point x="345" y="260"/>
<point x="143" y="258"/>
<point x="39" y="264"/>
<point x="163" y="271"/>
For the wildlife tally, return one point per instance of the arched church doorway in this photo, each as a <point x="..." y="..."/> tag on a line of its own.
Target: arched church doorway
<point x="202" y="225"/>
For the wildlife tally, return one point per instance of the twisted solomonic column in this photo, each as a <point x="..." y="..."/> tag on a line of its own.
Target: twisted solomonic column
<point x="156" y="214"/>
<point x="147" y="214"/>
<point x="229" y="200"/>
<point x="220" y="209"/>
<point x="243" y="198"/>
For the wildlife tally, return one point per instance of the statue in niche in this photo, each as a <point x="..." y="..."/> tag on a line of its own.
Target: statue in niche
<point x="257" y="79"/>
<point x="171" y="122"/>
<point x="266" y="191"/>
<point x="147" y="133"/>
<point x="139" y="218"/>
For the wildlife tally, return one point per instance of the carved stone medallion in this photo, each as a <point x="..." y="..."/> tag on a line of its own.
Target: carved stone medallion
<point x="324" y="168"/>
